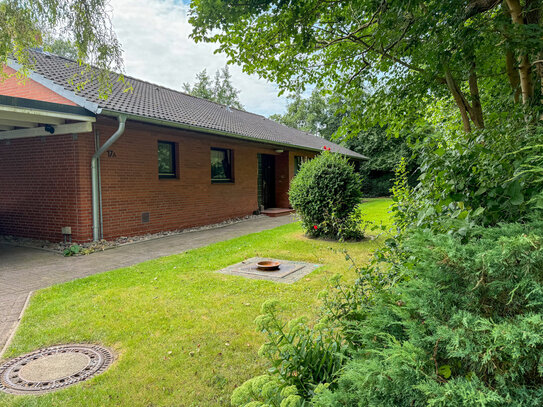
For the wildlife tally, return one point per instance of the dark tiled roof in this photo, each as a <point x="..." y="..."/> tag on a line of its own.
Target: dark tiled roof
<point x="157" y="102"/>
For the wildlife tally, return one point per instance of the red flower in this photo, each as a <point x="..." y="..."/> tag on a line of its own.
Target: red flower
<point x="315" y="227"/>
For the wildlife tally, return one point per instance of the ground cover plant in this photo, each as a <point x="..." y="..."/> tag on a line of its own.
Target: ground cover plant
<point x="184" y="335"/>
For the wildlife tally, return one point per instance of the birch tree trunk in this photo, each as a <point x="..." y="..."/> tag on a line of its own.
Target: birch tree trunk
<point x="525" y="68"/>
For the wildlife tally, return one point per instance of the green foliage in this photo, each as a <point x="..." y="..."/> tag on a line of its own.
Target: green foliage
<point x="301" y="357"/>
<point x="350" y="227"/>
<point x="473" y="178"/>
<point x="324" y="193"/>
<point x="394" y="61"/>
<point x="404" y="207"/>
<point x="384" y="153"/>
<point x="85" y="24"/>
<point x="266" y="391"/>
<point x="221" y="90"/>
<point x="72" y="250"/>
<point x="323" y="114"/>
<point x="464" y="327"/>
<point x="320" y="113"/>
<point x="531" y="171"/>
<point x="202" y="88"/>
<point x="62" y="47"/>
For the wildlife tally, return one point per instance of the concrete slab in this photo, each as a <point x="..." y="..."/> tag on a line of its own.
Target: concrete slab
<point x="23" y="269"/>
<point x="289" y="271"/>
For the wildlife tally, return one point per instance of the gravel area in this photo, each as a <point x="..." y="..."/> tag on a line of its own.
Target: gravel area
<point x="78" y="249"/>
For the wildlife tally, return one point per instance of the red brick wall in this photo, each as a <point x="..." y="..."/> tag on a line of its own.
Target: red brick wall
<point x="45" y="183"/>
<point x="38" y="187"/>
<point x="29" y="89"/>
<point x="130" y="183"/>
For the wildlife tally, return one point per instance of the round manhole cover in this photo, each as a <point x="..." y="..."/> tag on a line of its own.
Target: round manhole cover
<point x="53" y="368"/>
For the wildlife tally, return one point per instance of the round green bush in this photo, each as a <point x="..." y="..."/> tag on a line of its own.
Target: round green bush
<point x="324" y="194"/>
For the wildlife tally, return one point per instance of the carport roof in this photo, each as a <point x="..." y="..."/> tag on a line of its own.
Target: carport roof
<point x="21" y="118"/>
<point x="151" y="102"/>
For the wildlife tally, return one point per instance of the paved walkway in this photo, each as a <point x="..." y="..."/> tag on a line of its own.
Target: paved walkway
<point x="23" y="270"/>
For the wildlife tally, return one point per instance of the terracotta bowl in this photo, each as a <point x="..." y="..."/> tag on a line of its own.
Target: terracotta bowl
<point x="268" y="265"/>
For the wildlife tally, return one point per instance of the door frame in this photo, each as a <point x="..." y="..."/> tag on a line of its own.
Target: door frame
<point x="266" y="180"/>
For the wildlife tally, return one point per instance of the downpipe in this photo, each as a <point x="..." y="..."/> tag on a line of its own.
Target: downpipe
<point x="95" y="176"/>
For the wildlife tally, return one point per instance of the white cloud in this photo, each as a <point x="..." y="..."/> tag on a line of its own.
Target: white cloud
<point x="157" y="48"/>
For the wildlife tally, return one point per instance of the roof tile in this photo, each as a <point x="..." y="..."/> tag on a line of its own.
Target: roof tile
<point x="149" y="100"/>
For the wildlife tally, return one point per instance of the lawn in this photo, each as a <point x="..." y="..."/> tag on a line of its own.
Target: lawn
<point x="183" y="334"/>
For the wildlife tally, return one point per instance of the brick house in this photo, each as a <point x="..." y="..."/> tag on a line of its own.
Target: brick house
<point x="144" y="161"/>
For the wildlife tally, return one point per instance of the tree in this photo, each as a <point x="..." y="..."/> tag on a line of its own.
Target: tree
<point x="221" y="90"/>
<point x="319" y="114"/>
<point x="84" y="23"/>
<point x="62" y="47"/>
<point x="202" y="88"/>
<point x="323" y="114"/>
<point x="475" y="53"/>
<point x="225" y="93"/>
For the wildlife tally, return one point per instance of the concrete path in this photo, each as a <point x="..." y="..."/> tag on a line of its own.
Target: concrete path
<point x="23" y="270"/>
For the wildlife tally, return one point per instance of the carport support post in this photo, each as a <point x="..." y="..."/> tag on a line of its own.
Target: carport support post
<point x="95" y="174"/>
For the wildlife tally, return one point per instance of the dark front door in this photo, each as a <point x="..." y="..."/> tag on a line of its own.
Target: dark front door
<point x="268" y="180"/>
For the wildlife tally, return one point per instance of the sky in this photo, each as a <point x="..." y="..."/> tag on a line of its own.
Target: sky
<point x="155" y="38"/>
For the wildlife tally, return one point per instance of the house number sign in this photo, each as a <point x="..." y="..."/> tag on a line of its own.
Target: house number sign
<point x="111" y="154"/>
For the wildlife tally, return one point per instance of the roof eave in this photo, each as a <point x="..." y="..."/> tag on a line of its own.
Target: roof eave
<point x="167" y="123"/>
<point x="96" y="109"/>
<point x="68" y="94"/>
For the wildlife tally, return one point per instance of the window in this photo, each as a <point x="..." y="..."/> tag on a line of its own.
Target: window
<point x="298" y="161"/>
<point x="221" y="165"/>
<point x="166" y="160"/>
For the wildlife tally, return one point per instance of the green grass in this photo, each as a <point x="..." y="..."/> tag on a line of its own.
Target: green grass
<point x="376" y="210"/>
<point x="183" y="334"/>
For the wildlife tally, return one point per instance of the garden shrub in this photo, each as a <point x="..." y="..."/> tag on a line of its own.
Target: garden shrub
<point x="324" y="193"/>
<point x="473" y="178"/>
<point x="464" y="328"/>
<point x="445" y="321"/>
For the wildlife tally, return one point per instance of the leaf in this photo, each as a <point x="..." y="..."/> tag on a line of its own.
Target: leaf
<point x="463" y="215"/>
<point x="440" y="151"/>
<point x="445" y="371"/>
<point x="515" y="193"/>
<point x="478" y="211"/>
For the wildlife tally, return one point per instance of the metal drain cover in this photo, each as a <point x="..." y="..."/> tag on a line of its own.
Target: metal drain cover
<point x="53" y="368"/>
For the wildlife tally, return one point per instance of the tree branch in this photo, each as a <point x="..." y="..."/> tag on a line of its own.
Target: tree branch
<point x="459" y="99"/>
<point x="479" y="6"/>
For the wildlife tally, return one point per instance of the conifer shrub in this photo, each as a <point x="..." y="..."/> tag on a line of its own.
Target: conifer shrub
<point x="464" y="328"/>
<point x="449" y="321"/>
<point x="325" y="193"/>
